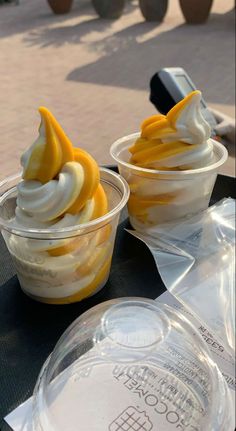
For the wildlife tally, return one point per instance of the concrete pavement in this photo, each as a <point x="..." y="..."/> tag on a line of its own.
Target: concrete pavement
<point x="94" y="74"/>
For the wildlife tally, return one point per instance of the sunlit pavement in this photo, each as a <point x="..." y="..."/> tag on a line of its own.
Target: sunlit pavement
<point x="94" y="74"/>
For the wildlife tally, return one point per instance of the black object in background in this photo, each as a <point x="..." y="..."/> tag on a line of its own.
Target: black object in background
<point x="159" y="95"/>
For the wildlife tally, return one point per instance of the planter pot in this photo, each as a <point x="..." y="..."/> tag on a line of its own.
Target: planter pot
<point x="153" y="10"/>
<point x="60" y="6"/>
<point x="111" y="9"/>
<point x="196" y="11"/>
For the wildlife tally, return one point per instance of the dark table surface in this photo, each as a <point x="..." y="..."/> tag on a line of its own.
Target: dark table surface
<point x="29" y="330"/>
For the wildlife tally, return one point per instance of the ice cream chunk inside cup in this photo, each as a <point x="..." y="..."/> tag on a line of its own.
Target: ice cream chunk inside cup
<point x="171" y="166"/>
<point x="59" y="218"/>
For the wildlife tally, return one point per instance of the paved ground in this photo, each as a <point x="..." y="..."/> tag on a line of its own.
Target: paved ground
<point x="94" y="74"/>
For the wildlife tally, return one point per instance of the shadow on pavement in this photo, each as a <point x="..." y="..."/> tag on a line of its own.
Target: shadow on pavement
<point x="202" y="50"/>
<point x="25" y="17"/>
<point x="72" y="34"/>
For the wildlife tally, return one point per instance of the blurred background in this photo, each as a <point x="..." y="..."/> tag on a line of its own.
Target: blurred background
<point x="93" y="73"/>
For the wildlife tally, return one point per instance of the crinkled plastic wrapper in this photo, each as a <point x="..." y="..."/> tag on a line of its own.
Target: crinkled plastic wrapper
<point x="196" y="261"/>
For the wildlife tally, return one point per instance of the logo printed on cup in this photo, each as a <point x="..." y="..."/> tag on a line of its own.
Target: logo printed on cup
<point x="131" y="419"/>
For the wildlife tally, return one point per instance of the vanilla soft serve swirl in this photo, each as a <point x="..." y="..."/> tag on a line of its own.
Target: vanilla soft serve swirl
<point x="60" y="184"/>
<point x="178" y="140"/>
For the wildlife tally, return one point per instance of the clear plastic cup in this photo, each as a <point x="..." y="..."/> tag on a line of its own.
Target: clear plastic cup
<point x="60" y="266"/>
<point x="131" y="364"/>
<point x="158" y="197"/>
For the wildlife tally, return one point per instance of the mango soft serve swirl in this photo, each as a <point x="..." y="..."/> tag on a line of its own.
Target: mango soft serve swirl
<point x="178" y="140"/>
<point x="173" y="142"/>
<point x="58" y="180"/>
<point x="60" y="188"/>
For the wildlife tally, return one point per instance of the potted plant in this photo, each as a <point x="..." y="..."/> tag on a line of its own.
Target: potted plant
<point x="153" y="10"/>
<point x="60" y="6"/>
<point x="111" y="9"/>
<point x="196" y="11"/>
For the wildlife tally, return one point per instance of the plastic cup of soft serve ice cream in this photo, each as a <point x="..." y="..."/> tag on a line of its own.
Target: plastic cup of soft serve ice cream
<point x="158" y="197"/>
<point x="59" y="218"/>
<point x="169" y="182"/>
<point x="63" y="265"/>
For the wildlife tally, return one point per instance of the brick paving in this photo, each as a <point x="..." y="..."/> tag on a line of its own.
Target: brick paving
<point x="94" y="74"/>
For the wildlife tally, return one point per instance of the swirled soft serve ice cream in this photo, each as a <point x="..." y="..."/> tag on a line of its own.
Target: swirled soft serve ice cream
<point x="169" y="166"/>
<point x="60" y="182"/>
<point x="178" y="140"/>
<point x="60" y="188"/>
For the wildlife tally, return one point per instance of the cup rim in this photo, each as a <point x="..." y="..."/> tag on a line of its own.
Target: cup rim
<point x="73" y="230"/>
<point x="139" y="169"/>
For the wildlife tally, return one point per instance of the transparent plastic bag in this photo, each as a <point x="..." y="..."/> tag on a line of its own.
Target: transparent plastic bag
<point x="196" y="260"/>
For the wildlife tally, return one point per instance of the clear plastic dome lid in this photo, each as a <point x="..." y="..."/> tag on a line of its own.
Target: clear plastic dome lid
<point x="131" y="364"/>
